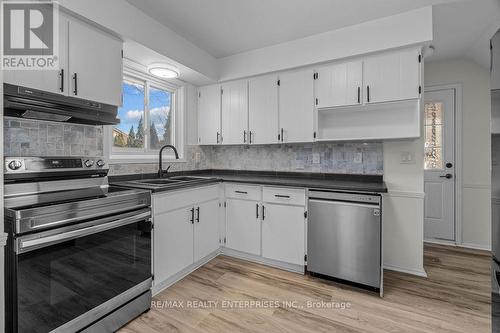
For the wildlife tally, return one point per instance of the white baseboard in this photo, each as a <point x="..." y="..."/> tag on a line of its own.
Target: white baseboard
<point x="264" y="261"/>
<point x="412" y="271"/>
<point x="455" y="244"/>
<point x="439" y="242"/>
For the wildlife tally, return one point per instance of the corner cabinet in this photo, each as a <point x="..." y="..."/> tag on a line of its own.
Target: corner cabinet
<point x="91" y="71"/>
<point x="209" y="116"/>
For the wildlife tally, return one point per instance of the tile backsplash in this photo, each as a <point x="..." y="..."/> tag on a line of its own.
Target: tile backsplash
<point x="42" y="138"/>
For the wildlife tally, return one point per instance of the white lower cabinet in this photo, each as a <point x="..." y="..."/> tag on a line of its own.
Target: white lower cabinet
<point x="243" y="225"/>
<point x="283" y="233"/>
<point x="206" y="229"/>
<point x="173" y="243"/>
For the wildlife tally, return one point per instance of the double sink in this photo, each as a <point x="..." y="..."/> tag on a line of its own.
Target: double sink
<point x="168" y="182"/>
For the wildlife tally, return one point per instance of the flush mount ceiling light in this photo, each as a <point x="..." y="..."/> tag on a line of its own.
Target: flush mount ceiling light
<point x="163" y="71"/>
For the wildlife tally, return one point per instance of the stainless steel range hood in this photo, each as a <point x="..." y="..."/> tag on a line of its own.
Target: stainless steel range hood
<point x="30" y="103"/>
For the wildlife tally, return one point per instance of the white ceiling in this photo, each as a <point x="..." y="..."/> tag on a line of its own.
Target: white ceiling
<point x="464" y="28"/>
<point x="227" y="27"/>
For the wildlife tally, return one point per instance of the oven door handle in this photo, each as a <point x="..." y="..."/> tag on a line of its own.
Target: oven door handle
<point x="26" y="245"/>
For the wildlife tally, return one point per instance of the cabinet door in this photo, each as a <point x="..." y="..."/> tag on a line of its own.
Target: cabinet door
<point x="339" y="84"/>
<point x="242" y="226"/>
<point x="263" y="110"/>
<point x="96" y="59"/>
<point x="209" y="99"/>
<point x="495" y="62"/>
<point x="235" y="113"/>
<point x="296" y="106"/>
<point x="392" y="76"/>
<point x="206" y="229"/>
<point x="54" y="81"/>
<point x="283" y="233"/>
<point x="173" y="243"/>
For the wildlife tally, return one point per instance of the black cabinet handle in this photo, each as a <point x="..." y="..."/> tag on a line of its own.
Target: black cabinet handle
<point x="282" y="196"/>
<point x="61" y="74"/>
<point x="250" y="136"/>
<point x="368" y="94"/>
<point x="198" y="214"/>
<point x="244" y="136"/>
<point x="282" y="135"/>
<point x="359" y="95"/>
<point x="75" y="81"/>
<point x="257" y="210"/>
<point x="263" y="212"/>
<point x="241" y="192"/>
<point x="192" y="216"/>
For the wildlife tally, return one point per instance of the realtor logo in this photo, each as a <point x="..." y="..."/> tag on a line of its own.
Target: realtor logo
<point x="30" y="35"/>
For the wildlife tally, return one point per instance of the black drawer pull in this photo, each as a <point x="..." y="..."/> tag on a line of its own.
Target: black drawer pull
<point x="241" y="192"/>
<point x="282" y="196"/>
<point x="257" y="210"/>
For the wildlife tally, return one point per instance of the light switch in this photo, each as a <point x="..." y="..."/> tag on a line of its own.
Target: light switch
<point x="407" y="157"/>
<point x="316" y="158"/>
<point x="358" y="157"/>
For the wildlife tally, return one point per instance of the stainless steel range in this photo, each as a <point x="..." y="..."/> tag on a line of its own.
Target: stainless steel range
<point x="78" y="254"/>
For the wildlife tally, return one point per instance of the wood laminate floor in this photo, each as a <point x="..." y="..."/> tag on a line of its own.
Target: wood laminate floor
<point x="454" y="298"/>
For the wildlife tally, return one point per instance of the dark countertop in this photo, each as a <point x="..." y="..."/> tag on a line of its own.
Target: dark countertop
<point x="339" y="182"/>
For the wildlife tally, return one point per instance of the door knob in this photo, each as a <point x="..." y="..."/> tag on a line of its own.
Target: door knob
<point x="447" y="176"/>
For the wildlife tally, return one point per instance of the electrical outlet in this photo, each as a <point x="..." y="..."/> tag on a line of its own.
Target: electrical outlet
<point x="197" y="157"/>
<point x="358" y="157"/>
<point x="407" y="158"/>
<point x="316" y="158"/>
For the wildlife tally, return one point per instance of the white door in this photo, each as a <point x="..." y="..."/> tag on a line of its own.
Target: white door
<point x="339" y="84"/>
<point x="96" y="60"/>
<point x="209" y="115"/>
<point x="283" y="233"/>
<point x="173" y="243"/>
<point x="55" y="81"/>
<point x="235" y="113"/>
<point x="439" y="174"/>
<point x="243" y="226"/>
<point x="206" y="229"/>
<point x="263" y="110"/>
<point x="296" y="106"/>
<point x="392" y="76"/>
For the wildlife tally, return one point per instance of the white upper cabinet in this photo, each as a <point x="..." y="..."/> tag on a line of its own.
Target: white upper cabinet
<point x="339" y="84"/>
<point x="392" y="76"/>
<point x="95" y="65"/>
<point x="263" y="110"/>
<point x="235" y="112"/>
<point x="296" y="106"/>
<point x="495" y="62"/>
<point x="93" y="55"/>
<point x="54" y="81"/>
<point x="209" y="115"/>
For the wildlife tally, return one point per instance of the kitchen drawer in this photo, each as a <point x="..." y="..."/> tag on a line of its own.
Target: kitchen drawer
<point x="240" y="191"/>
<point x="285" y="196"/>
<point x="168" y="201"/>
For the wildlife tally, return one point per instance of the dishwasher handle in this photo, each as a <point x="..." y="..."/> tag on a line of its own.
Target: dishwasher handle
<point x="346" y="203"/>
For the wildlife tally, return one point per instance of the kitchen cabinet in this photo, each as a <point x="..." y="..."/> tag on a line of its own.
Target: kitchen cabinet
<point x="283" y="234"/>
<point x="263" y="110"/>
<point x="392" y="76"/>
<point x="243" y="225"/>
<point x="91" y="71"/>
<point x="339" y="84"/>
<point x="209" y="115"/>
<point x="95" y="64"/>
<point x="173" y="242"/>
<point x="495" y="62"/>
<point x="235" y="112"/>
<point x="283" y="224"/>
<point x="296" y="106"/>
<point x="206" y="229"/>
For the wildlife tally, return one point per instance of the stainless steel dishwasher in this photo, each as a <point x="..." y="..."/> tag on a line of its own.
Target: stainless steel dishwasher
<point x="344" y="237"/>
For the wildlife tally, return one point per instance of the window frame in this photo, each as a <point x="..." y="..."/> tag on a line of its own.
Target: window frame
<point x="118" y="155"/>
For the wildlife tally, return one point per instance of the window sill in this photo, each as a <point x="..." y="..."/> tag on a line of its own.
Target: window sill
<point x="145" y="159"/>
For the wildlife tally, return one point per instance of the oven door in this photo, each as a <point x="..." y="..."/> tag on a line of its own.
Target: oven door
<point x="70" y="277"/>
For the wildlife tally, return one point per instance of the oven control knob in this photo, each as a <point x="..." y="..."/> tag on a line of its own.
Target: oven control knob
<point x="89" y="163"/>
<point x="100" y="163"/>
<point x="15" y="164"/>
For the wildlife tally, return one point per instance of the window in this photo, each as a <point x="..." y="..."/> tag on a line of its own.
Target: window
<point x="433" y="158"/>
<point x="147" y="120"/>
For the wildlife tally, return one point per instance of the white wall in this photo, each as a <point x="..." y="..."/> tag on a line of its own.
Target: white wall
<point x="476" y="178"/>
<point x="403" y="207"/>
<point x="410" y="28"/>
